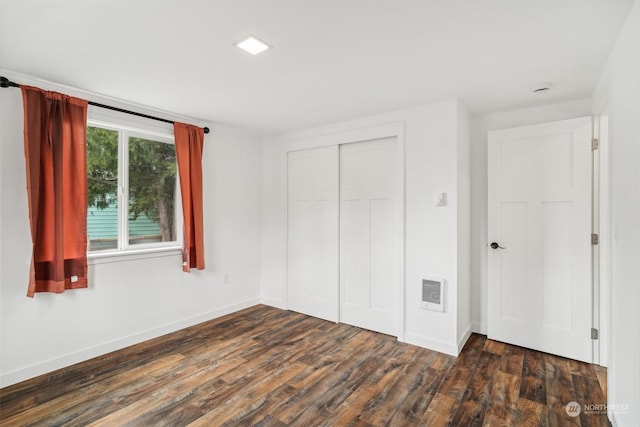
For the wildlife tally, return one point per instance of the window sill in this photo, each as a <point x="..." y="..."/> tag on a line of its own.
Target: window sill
<point x="106" y="257"/>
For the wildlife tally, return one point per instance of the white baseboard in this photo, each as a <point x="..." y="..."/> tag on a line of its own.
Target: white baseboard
<point x="273" y="302"/>
<point x="479" y="328"/>
<point x="431" y="344"/>
<point x="31" y="371"/>
<point x="463" y="339"/>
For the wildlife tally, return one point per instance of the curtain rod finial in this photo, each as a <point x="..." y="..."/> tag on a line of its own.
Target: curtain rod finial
<point x="206" y="130"/>
<point x="5" y="82"/>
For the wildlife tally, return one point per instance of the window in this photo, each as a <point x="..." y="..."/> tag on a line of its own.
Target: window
<point x="133" y="197"/>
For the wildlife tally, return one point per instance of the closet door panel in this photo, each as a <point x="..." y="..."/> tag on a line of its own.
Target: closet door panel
<point x="313" y="271"/>
<point x="369" y="239"/>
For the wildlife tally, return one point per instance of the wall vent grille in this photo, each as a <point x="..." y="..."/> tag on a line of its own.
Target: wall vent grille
<point x="432" y="293"/>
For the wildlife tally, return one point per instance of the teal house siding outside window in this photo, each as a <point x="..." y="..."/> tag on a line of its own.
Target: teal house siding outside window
<point x="102" y="227"/>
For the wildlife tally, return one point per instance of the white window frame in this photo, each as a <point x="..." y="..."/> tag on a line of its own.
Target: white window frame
<point x="127" y="127"/>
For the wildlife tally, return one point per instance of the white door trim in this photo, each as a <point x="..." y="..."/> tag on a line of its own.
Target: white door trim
<point x="393" y="129"/>
<point x="602" y="226"/>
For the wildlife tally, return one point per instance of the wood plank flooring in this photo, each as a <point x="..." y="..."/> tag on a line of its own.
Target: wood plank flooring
<point x="269" y="367"/>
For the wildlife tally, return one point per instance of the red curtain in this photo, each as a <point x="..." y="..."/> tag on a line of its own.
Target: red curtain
<point x="55" y="152"/>
<point x="189" y="143"/>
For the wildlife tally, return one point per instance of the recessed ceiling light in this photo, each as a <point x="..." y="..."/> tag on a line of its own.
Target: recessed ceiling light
<point x="252" y="45"/>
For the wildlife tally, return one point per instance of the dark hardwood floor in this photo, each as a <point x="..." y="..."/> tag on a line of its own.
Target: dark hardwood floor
<point x="264" y="366"/>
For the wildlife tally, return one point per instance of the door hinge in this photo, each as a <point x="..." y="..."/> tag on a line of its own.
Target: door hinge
<point x="595" y="144"/>
<point x="594" y="334"/>
<point x="595" y="239"/>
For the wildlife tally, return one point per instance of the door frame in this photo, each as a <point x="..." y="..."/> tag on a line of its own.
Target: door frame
<point x="394" y="129"/>
<point x="601" y="226"/>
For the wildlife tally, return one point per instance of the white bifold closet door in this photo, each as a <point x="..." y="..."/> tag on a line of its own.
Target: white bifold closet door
<point x="313" y="232"/>
<point x="369" y="243"/>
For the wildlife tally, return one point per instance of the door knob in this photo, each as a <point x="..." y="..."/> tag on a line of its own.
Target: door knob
<point x="496" y="245"/>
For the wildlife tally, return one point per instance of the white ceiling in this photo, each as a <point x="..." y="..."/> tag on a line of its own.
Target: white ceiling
<point x="331" y="61"/>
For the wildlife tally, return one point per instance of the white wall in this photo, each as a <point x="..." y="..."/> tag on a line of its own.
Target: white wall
<point x="430" y="136"/>
<point x="622" y="82"/>
<point x="128" y="301"/>
<point x="479" y="129"/>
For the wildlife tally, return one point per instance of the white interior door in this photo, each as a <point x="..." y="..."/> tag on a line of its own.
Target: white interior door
<point x="369" y="235"/>
<point x="313" y="258"/>
<point x="540" y="213"/>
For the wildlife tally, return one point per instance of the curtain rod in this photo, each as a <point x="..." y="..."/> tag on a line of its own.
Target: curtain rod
<point x="5" y="82"/>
